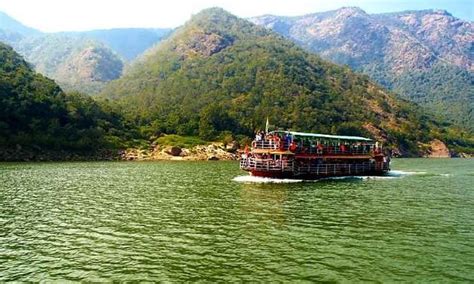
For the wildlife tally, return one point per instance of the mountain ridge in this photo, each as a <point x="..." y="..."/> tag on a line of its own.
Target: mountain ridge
<point x="219" y="73"/>
<point x="8" y="23"/>
<point x="397" y="50"/>
<point x="79" y="61"/>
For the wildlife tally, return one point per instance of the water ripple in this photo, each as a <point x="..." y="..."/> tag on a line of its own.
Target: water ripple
<point x="177" y="222"/>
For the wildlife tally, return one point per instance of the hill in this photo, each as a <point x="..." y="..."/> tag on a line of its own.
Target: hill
<point x="127" y="42"/>
<point x="39" y="121"/>
<point x="9" y="24"/>
<point x="78" y="61"/>
<point x="425" y="56"/>
<point x="219" y="74"/>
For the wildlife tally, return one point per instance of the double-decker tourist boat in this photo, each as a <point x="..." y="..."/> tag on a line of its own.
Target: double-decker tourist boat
<point x="288" y="154"/>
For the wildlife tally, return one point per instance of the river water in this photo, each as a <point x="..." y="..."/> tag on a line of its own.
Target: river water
<point x="207" y="221"/>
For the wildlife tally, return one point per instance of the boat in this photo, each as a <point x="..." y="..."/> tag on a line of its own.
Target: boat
<point x="299" y="155"/>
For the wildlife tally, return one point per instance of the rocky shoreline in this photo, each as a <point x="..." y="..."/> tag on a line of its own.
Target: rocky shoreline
<point x="210" y="152"/>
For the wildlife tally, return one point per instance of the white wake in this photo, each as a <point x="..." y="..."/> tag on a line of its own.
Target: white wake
<point x="390" y="175"/>
<point x="253" y="179"/>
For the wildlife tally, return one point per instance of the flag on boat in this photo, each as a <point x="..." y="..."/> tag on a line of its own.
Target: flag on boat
<point x="266" y="126"/>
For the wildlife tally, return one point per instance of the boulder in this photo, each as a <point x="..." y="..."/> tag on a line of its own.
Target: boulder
<point x="438" y="150"/>
<point x="173" y="151"/>
<point x="184" y="152"/>
<point x="233" y="146"/>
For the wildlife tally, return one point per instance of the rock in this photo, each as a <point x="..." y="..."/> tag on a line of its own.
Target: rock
<point x="233" y="146"/>
<point x="173" y="151"/>
<point x="184" y="152"/>
<point x="465" y="155"/>
<point x="211" y="152"/>
<point x="438" y="150"/>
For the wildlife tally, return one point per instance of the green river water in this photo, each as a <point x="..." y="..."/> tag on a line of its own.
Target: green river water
<point x="207" y="221"/>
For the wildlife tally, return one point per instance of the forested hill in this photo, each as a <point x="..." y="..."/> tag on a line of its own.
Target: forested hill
<point x="220" y="73"/>
<point x="127" y="42"/>
<point x="425" y="56"/>
<point x="78" y="61"/>
<point x="37" y="117"/>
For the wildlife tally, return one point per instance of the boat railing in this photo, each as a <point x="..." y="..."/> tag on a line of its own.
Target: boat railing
<point x="270" y="145"/>
<point x="313" y="149"/>
<point x="335" y="169"/>
<point x="333" y="151"/>
<point x="310" y="168"/>
<point x="267" y="165"/>
<point x="354" y="151"/>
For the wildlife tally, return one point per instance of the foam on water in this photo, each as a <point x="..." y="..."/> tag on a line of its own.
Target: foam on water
<point x="396" y="173"/>
<point x="253" y="179"/>
<point x="389" y="175"/>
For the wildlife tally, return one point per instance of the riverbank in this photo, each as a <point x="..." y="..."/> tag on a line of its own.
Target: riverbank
<point x="210" y="152"/>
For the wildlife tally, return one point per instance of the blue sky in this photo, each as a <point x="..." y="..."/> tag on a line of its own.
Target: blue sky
<point x="66" y="15"/>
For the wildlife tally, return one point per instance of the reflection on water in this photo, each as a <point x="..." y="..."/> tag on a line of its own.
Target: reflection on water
<point x="191" y="221"/>
<point x="265" y="202"/>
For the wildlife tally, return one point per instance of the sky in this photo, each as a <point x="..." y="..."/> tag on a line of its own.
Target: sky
<point x="78" y="15"/>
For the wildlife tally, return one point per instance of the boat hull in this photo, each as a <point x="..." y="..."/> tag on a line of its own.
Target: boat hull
<point x="312" y="176"/>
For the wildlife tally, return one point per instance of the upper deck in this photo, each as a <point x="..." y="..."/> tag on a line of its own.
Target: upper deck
<point x="309" y="144"/>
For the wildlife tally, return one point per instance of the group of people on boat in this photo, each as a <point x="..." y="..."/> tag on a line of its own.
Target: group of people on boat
<point x="313" y="155"/>
<point x="286" y="138"/>
<point x="285" y="141"/>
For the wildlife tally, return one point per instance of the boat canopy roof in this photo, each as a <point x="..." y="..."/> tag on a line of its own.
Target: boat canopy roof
<point x="325" y="136"/>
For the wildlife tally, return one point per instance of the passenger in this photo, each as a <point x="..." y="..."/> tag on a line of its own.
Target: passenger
<point x="319" y="148"/>
<point x="312" y="147"/>
<point x="293" y="146"/>
<point x="343" y="148"/>
<point x="278" y="163"/>
<point x="277" y="140"/>
<point x="284" y="140"/>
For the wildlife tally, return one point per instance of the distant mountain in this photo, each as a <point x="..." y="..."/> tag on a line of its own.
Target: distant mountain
<point x="127" y="42"/>
<point x="425" y="56"/>
<point x="220" y="73"/>
<point x="36" y="117"/>
<point x="8" y="24"/>
<point x="76" y="63"/>
<point x="79" y="61"/>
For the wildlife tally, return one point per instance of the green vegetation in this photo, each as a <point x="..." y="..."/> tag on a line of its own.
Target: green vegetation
<point x="76" y="63"/>
<point x="37" y="115"/>
<point x="128" y="43"/>
<point x="410" y="53"/>
<point x="216" y="79"/>
<point x="221" y="74"/>
<point x="180" y="141"/>
<point x="445" y="89"/>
